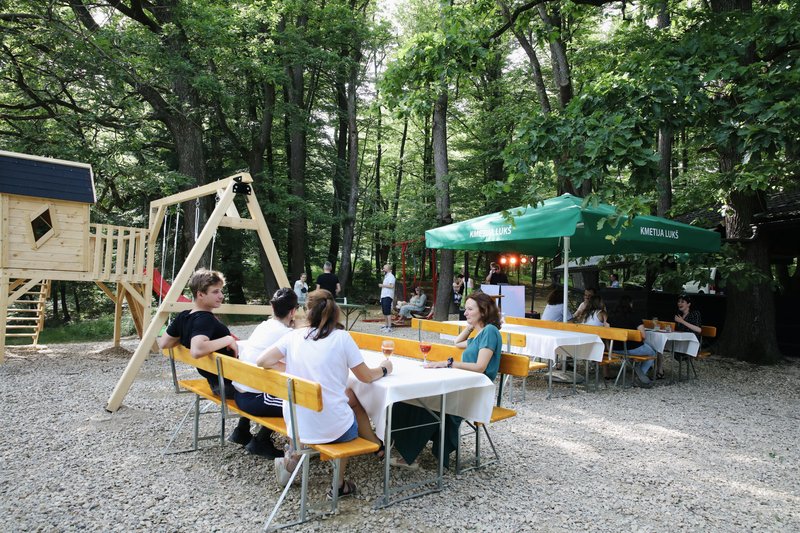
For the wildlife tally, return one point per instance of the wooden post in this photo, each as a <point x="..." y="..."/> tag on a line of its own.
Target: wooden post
<point x="4" y="285"/>
<point x="119" y="298"/>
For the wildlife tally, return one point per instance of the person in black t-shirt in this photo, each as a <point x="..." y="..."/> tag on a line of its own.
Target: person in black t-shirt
<point x="496" y="276"/>
<point x="328" y="280"/>
<point x="199" y="330"/>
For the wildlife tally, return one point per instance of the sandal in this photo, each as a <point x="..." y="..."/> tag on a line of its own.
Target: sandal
<point x="399" y="461"/>
<point x="381" y="453"/>
<point x="348" y="488"/>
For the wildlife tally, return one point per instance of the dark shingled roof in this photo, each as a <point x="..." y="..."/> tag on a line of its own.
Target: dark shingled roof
<point x="46" y="178"/>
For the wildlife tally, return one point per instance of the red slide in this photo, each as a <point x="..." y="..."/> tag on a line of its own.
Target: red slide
<point x="161" y="287"/>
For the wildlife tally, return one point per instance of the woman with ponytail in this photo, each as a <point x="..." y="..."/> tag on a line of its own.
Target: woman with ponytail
<point x="324" y="352"/>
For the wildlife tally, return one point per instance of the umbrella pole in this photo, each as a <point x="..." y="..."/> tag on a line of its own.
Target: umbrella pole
<point x="566" y="279"/>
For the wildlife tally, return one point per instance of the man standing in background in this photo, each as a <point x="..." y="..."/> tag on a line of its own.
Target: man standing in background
<point x="387" y="296"/>
<point x="329" y="281"/>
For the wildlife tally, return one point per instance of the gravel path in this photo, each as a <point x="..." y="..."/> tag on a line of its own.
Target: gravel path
<point x="719" y="453"/>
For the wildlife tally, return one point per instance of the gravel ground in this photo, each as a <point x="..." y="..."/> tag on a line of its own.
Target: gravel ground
<point x="718" y="453"/>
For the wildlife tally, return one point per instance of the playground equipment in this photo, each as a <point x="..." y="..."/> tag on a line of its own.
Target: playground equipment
<point x="46" y="235"/>
<point x="225" y="214"/>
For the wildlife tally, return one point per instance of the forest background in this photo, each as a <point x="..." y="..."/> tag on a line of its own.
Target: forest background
<point x="365" y="123"/>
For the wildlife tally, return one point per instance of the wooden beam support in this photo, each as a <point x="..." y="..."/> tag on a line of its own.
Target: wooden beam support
<point x="238" y="223"/>
<point x="200" y="192"/>
<point x="107" y="291"/>
<point x="266" y="242"/>
<point x="22" y="290"/>
<point x="224" y="309"/>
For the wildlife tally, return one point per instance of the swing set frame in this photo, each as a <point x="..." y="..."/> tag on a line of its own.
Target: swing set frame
<point x="225" y="214"/>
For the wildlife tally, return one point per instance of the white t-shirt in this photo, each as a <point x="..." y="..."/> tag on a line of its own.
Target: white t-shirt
<point x="388" y="279"/>
<point x="327" y="361"/>
<point x="264" y="336"/>
<point x="555" y="313"/>
<point x="298" y="290"/>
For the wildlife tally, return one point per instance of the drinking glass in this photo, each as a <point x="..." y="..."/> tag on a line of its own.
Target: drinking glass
<point x="387" y="347"/>
<point x="424" y="347"/>
<point x="655" y="323"/>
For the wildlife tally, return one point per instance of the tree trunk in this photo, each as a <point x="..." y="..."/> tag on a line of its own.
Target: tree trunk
<point x="62" y="289"/>
<point x="665" y="137"/>
<point x="444" y="289"/>
<point x="353" y="174"/>
<point x="749" y="332"/>
<point x="295" y="87"/>
<point x="340" y="172"/>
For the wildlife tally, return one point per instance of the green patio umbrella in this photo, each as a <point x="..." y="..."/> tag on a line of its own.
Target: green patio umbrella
<point x="564" y="224"/>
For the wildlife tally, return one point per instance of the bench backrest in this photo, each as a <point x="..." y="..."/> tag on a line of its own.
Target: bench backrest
<point x="406" y="347"/>
<point x="184" y="355"/>
<point x="303" y="392"/>
<point x="513" y="364"/>
<point x="509" y="339"/>
<point x="609" y="334"/>
<point x="709" y="331"/>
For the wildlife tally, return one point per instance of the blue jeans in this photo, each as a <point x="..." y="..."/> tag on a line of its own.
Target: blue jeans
<point x="350" y="434"/>
<point x="644" y="349"/>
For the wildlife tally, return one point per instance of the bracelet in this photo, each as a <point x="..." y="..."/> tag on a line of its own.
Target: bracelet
<point x="385" y="371"/>
<point x="449" y="362"/>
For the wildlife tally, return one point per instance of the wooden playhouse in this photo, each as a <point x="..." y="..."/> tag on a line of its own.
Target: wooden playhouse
<point x="46" y="234"/>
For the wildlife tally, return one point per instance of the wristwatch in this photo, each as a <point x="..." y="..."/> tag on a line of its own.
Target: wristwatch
<point x="449" y="362"/>
<point x="385" y="371"/>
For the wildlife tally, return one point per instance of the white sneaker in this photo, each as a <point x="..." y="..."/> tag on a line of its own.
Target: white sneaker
<point x="281" y="474"/>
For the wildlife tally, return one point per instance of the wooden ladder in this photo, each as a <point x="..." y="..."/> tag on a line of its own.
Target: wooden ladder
<point x="25" y="317"/>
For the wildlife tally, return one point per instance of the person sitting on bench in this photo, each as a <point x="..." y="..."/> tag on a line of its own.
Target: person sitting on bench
<point x="199" y="330"/>
<point x="284" y="306"/>
<point x="415" y="305"/>
<point x="325" y="353"/>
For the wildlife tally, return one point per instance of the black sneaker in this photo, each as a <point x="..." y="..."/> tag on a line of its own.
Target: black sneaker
<point x="264" y="447"/>
<point x="241" y="435"/>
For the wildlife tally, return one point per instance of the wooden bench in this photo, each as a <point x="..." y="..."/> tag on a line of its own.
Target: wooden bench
<point x="298" y="392"/>
<point x="610" y="335"/>
<point x="513" y="365"/>
<point x="509" y="339"/>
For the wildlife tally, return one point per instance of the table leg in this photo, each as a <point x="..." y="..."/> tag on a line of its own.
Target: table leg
<point x="442" y="417"/>
<point x="387" y="446"/>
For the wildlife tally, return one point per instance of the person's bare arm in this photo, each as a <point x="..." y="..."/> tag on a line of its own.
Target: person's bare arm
<point x="484" y="356"/>
<point x="271" y="358"/>
<point x="202" y="345"/>
<point x="366" y="374"/>
<point x="167" y="341"/>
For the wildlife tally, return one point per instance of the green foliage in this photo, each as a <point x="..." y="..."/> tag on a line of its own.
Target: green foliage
<point x="98" y="329"/>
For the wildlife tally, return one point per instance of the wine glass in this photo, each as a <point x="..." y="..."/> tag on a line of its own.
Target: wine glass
<point x="424" y="347"/>
<point x="655" y="324"/>
<point x="387" y="347"/>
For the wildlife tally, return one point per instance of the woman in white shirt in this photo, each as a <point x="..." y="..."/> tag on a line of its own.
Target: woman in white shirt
<point x="325" y="353"/>
<point x="301" y="289"/>
<point x="284" y="306"/>
<point x="593" y="313"/>
<point x="554" y="310"/>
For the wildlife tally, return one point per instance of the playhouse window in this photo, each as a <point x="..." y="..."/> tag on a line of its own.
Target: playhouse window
<point x="42" y="226"/>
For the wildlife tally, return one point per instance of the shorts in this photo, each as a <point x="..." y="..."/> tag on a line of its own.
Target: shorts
<point x="386" y="305"/>
<point x="348" y="435"/>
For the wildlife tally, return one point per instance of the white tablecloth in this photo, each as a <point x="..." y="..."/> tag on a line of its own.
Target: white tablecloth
<point x="549" y="343"/>
<point x="469" y="394"/>
<point x="682" y="341"/>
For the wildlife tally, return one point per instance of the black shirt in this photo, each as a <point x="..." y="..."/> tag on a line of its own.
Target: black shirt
<point x="497" y="278"/>
<point x="189" y="324"/>
<point x="328" y="281"/>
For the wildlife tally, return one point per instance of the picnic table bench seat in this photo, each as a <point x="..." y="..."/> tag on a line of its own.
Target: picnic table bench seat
<point x="298" y="392"/>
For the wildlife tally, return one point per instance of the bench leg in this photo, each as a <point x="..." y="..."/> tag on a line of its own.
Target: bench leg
<point x="303" y="516"/>
<point x="194" y="408"/>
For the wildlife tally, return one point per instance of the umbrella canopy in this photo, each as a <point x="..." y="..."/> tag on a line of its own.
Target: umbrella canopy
<point x="541" y="231"/>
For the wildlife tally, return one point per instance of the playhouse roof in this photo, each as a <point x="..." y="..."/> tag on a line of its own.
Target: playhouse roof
<point x="43" y="177"/>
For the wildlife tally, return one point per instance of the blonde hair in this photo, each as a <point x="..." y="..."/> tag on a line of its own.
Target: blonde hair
<point x="203" y="278"/>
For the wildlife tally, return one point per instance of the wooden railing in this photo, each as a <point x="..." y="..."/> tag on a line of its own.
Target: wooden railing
<point x="117" y="253"/>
